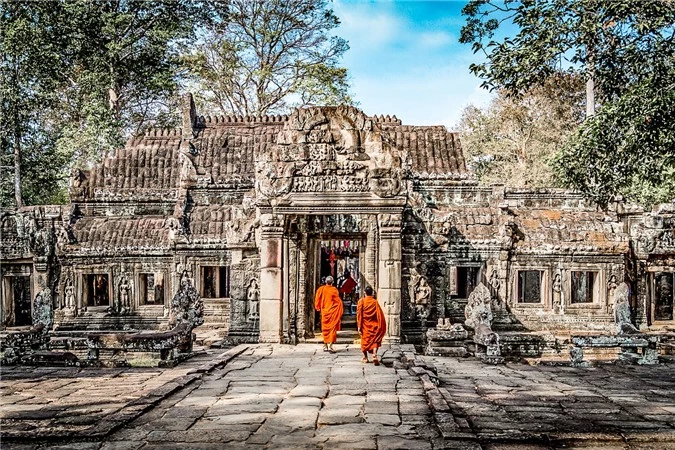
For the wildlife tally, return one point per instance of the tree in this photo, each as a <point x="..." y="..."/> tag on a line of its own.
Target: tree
<point x="269" y="55"/>
<point x="513" y="140"/>
<point x="627" y="49"/>
<point x="122" y="73"/>
<point x="30" y="70"/>
<point x="77" y="77"/>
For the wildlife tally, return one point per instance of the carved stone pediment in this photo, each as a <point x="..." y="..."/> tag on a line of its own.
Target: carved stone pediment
<point x="330" y="149"/>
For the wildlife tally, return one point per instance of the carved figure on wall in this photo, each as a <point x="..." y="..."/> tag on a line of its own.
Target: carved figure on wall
<point x="622" y="310"/>
<point x="420" y="293"/>
<point x="69" y="294"/>
<point x="253" y="300"/>
<point x="557" y="293"/>
<point x="494" y="282"/>
<point x="612" y="284"/>
<point x="124" y="295"/>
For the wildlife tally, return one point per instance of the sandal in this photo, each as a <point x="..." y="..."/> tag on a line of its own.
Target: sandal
<point x="364" y="360"/>
<point x="376" y="361"/>
<point x="330" y="350"/>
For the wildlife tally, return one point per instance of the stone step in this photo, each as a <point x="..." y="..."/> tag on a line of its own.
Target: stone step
<point x="343" y="337"/>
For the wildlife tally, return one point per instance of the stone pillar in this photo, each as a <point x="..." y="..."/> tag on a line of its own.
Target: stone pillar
<point x="271" y="284"/>
<point x="389" y="274"/>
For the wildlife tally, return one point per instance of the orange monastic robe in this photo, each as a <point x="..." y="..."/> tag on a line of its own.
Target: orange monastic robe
<point x="327" y="300"/>
<point x="370" y="320"/>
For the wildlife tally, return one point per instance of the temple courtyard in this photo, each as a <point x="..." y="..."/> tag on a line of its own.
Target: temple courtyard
<point x="298" y="397"/>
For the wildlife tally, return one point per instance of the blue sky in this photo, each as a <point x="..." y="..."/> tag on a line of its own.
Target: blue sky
<point x="405" y="59"/>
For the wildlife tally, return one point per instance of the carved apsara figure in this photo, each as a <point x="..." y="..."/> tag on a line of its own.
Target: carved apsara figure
<point x="253" y="300"/>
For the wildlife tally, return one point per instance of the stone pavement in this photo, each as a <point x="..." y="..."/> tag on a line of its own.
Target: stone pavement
<point x="298" y="397"/>
<point x="610" y="406"/>
<point x="69" y="402"/>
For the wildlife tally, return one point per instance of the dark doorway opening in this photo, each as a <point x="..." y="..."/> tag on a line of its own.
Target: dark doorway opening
<point x="22" y="301"/>
<point x="98" y="293"/>
<point x="342" y="259"/>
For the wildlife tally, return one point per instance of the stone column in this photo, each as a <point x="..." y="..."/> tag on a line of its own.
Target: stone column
<point x="389" y="274"/>
<point x="271" y="284"/>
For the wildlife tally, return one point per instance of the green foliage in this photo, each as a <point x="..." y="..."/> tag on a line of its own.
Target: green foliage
<point x="267" y="56"/>
<point x="513" y="140"/>
<point x="78" y="76"/>
<point x="640" y="165"/>
<point x="31" y="69"/>
<point x="627" y="48"/>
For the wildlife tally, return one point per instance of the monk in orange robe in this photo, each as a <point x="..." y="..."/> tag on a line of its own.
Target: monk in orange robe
<point x="371" y="324"/>
<point x="327" y="300"/>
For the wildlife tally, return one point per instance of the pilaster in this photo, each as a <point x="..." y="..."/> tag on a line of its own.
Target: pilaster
<point x="271" y="283"/>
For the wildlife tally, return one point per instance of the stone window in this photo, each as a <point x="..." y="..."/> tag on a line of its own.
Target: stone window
<point x="529" y="286"/>
<point x="664" y="292"/>
<point x="463" y="280"/>
<point x="97" y="290"/>
<point x="152" y="289"/>
<point x="583" y="289"/>
<point x="215" y="282"/>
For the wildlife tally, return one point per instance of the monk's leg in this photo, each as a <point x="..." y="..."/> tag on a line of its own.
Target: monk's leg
<point x="365" y="357"/>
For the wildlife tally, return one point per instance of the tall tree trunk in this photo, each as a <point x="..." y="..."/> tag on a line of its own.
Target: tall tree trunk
<point x="590" y="94"/>
<point x="18" y="197"/>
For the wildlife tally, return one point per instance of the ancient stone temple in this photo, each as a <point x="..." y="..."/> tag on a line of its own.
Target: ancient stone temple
<point x="256" y="210"/>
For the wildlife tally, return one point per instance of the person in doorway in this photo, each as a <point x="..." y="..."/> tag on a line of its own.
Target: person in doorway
<point x="371" y="325"/>
<point x="327" y="300"/>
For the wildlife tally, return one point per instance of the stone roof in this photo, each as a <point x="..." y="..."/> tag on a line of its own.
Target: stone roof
<point x="147" y="166"/>
<point x="570" y="229"/>
<point x="94" y="234"/>
<point x="431" y="150"/>
<point x="227" y="149"/>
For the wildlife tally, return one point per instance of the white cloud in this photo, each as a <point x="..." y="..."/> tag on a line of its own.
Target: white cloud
<point x="436" y="39"/>
<point x="361" y="22"/>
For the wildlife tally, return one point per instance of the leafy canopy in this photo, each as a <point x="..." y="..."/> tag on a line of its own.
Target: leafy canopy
<point x="513" y="139"/>
<point x="267" y="56"/>
<point x="627" y="48"/>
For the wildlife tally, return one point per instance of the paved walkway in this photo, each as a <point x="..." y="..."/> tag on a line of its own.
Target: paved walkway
<point x="298" y="397"/>
<point x="294" y="397"/>
<point x="609" y="406"/>
<point x="67" y="401"/>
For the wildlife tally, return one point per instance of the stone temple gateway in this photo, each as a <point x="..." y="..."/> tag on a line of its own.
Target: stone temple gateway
<point x="252" y="208"/>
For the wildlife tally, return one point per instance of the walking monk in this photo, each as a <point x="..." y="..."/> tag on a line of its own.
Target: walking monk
<point x="371" y="324"/>
<point x="327" y="300"/>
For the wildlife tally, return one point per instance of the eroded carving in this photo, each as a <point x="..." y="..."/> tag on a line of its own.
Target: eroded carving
<point x="622" y="310"/>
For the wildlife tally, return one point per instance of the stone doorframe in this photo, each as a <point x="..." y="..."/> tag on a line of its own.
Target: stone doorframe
<point x="280" y="294"/>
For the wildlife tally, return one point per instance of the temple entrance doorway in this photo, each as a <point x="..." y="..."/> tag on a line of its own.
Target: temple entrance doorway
<point x="664" y="295"/>
<point x="343" y="258"/>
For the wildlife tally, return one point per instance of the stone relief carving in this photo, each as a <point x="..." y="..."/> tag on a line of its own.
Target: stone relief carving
<point x="622" y="310"/>
<point x="245" y="294"/>
<point x="420" y="294"/>
<point x="253" y="301"/>
<point x="478" y="313"/>
<point x="124" y="295"/>
<point x="69" y="294"/>
<point x="43" y="313"/>
<point x="327" y="150"/>
<point x="558" y="300"/>
<point x="187" y="308"/>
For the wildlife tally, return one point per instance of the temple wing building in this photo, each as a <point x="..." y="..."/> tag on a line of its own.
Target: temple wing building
<point x="257" y="210"/>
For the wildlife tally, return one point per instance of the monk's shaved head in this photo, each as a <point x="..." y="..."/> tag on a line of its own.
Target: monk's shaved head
<point x="329" y="280"/>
